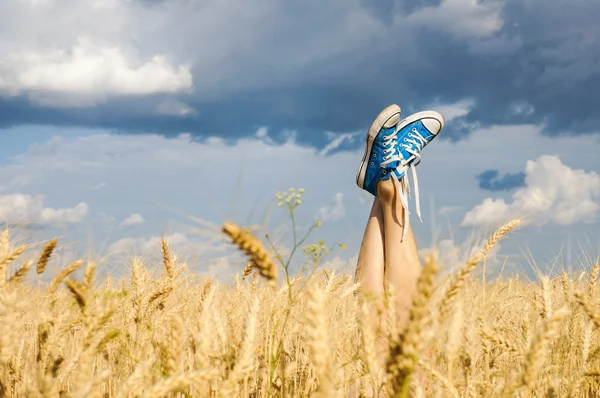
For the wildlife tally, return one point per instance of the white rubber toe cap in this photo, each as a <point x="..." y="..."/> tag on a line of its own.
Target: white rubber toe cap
<point x="434" y="125"/>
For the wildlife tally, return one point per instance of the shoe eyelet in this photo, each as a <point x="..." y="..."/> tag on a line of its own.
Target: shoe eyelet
<point x="405" y="140"/>
<point x="374" y="155"/>
<point x="384" y="171"/>
<point x="372" y="163"/>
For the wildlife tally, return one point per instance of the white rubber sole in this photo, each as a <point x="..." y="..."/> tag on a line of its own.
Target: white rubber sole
<point x="422" y="115"/>
<point x="381" y="119"/>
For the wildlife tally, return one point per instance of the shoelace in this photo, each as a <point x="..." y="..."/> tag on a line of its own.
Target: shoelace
<point x="416" y="140"/>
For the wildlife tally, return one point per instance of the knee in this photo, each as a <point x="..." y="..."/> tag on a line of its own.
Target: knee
<point x="386" y="190"/>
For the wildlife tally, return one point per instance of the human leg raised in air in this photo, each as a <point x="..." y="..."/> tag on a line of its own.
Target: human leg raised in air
<point x="388" y="255"/>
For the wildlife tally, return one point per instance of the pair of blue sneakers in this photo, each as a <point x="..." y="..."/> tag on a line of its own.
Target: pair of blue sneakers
<point x="393" y="147"/>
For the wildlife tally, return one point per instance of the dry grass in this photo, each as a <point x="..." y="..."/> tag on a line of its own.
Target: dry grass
<point x="171" y="334"/>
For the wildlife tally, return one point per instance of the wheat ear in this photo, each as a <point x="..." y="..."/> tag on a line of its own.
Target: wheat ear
<point x="45" y="256"/>
<point x="20" y="274"/>
<point x="62" y="275"/>
<point x="167" y="260"/>
<point x="7" y="260"/>
<point x="472" y="263"/>
<point x="593" y="278"/>
<point x="254" y="249"/>
<point x="588" y="308"/>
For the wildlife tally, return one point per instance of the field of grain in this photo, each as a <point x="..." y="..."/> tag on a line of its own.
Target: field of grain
<point x="164" y="332"/>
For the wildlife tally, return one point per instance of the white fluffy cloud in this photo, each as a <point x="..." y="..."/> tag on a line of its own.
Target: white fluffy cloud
<point x="18" y="208"/>
<point x="461" y="18"/>
<point x="452" y="111"/>
<point x="337" y="140"/>
<point x="335" y="212"/>
<point x="554" y="193"/>
<point x="90" y="70"/>
<point x="134" y="219"/>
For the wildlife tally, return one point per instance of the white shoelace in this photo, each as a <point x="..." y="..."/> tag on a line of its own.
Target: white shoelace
<point x="390" y="142"/>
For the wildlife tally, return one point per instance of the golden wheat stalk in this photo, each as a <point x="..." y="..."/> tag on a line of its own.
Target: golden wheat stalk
<point x="444" y="380"/>
<point x="592" y="280"/>
<point x="496" y="338"/>
<point x="10" y="257"/>
<point x="546" y="298"/>
<point x="20" y="274"/>
<point x="318" y="339"/>
<point x="588" y="308"/>
<point x="88" y="276"/>
<point x="167" y="260"/>
<point x="179" y="383"/>
<point x="406" y="348"/>
<point x="45" y="256"/>
<point x="254" y="249"/>
<point x="78" y="292"/>
<point x="62" y="275"/>
<point x="4" y="243"/>
<point x="206" y="289"/>
<point x="245" y="362"/>
<point x="540" y="348"/>
<point x="248" y="269"/>
<point x="458" y="283"/>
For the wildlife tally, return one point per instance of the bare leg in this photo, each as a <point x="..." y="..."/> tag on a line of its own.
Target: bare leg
<point x="370" y="266"/>
<point x="402" y="265"/>
<point x="370" y="273"/>
<point x="385" y="260"/>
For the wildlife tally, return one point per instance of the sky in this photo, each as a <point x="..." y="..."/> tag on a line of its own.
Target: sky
<point x="122" y="119"/>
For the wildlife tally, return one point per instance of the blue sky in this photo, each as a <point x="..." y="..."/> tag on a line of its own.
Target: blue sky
<point x="115" y="112"/>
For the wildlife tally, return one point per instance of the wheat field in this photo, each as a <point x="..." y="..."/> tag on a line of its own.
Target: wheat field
<point x="163" y="332"/>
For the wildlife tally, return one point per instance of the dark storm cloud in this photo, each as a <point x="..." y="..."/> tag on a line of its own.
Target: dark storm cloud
<point x="542" y="66"/>
<point x="490" y="180"/>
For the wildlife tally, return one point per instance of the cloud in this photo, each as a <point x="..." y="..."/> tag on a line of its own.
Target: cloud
<point x="174" y="108"/>
<point x="18" y="208"/>
<point x="88" y="73"/>
<point x="460" y="18"/>
<point x="134" y="219"/>
<point x="336" y="142"/>
<point x="553" y="193"/>
<point x="455" y="110"/>
<point x="335" y="212"/>
<point x="261" y="132"/>
<point x="489" y="180"/>
<point x="306" y="68"/>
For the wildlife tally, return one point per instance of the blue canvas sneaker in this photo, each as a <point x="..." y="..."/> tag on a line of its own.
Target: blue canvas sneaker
<point x="381" y="158"/>
<point x="392" y="147"/>
<point x="414" y="132"/>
